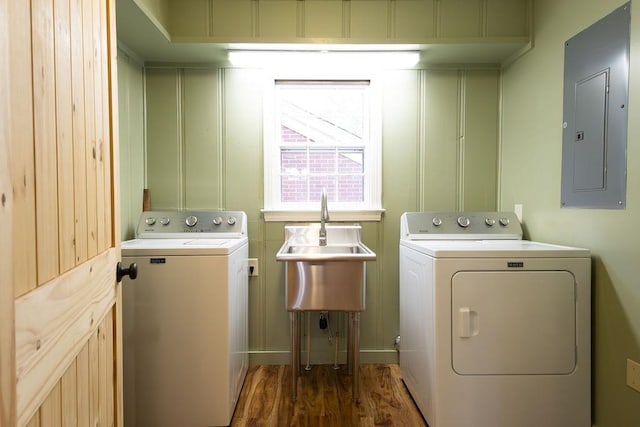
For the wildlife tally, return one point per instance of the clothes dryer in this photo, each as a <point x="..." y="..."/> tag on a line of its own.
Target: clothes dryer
<point x="495" y="330"/>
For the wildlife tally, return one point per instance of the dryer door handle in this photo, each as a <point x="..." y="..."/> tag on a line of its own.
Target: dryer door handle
<point x="467" y="322"/>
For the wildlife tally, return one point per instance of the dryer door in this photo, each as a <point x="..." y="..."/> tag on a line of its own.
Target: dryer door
<point x="513" y="322"/>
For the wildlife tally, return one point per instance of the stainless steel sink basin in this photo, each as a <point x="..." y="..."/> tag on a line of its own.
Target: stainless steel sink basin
<point x="326" y="278"/>
<point x="325" y="250"/>
<point x="342" y="244"/>
<point x="357" y="252"/>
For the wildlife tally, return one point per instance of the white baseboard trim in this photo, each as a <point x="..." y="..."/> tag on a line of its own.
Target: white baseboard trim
<point x="321" y="357"/>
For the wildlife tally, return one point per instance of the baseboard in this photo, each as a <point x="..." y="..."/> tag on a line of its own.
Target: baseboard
<point x="322" y="357"/>
<point x="269" y="358"/>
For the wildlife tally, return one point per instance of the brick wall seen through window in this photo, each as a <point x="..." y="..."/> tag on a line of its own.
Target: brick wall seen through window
<point x="307" y="170"/>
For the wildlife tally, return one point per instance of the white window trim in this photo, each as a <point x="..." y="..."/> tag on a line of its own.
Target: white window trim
<point x="314" y="216"/>
<point x="273" y="211"/>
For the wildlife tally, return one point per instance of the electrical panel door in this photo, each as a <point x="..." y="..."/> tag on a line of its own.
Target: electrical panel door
<point x="594" y="127"/>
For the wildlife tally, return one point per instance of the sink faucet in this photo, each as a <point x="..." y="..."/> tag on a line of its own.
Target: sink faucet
<point x="324" y="217"/>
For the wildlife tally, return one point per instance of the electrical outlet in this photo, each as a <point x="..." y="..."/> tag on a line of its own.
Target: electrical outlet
<point x="253" y="267"/>
<point x="633" y="374"/>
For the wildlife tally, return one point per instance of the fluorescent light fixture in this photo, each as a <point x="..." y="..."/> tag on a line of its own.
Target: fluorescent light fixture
<point x="323" y="59"/>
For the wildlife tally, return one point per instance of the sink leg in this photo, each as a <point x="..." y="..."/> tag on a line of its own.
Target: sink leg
<point x="355" y="388"/>
<point x="294" y="317"/>
<point x="307" y="317"/>
<point x="349" y="344"/>
<point x="336" y="342"/>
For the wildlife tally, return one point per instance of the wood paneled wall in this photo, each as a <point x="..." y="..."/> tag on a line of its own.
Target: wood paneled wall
<point x="340" y="21"/>
<point x="131" y="137"/>
<point x="204" y="151"/>
<point x="63" y="242"/>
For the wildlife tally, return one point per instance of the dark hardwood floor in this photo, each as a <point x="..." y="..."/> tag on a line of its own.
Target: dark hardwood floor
<point x="324" y="398"/>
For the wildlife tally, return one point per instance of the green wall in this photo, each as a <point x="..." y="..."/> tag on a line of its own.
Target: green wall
<point x="132" y="146"/>
<point x="204" y="151"/>
<point x="530" y="174"/>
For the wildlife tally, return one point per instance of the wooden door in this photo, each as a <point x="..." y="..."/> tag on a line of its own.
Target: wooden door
<point x="7" y="361"/>
<point x="60" y="316"/>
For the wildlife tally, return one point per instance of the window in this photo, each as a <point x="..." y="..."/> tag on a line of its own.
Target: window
<point x="322" y="134"/>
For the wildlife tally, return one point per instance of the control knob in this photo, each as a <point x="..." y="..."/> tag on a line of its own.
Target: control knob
<point x="191" y="220"/>
<point x="165" y="221"/>
<point x="463" y="221"/>
<point x="150" y="221"/>
<point x="437" y="222"/>
<point x="490" y="222"/>
<point x="217" y="220"/>
<point x="504" y="222"/>
<point x="231" y="220"/>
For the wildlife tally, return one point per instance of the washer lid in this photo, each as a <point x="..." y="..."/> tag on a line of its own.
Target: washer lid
<point x="153" y="247"/>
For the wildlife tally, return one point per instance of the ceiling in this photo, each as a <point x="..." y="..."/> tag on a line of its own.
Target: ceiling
<point x="140" y="37"/>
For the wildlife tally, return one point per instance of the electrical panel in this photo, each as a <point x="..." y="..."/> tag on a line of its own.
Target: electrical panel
<point x="594" y="137"/>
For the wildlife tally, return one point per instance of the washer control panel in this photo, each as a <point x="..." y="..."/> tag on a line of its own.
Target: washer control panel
<point x="210" y="224"/>
<point x="460" y="225"/>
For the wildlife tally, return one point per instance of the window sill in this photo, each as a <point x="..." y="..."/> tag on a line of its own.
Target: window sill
<point x="314" y="216"/>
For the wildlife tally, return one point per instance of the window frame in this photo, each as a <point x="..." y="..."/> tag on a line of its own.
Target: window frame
<point x="371" y="208"/>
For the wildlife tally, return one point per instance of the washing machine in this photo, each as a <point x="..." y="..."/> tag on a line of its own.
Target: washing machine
<point x="494" y="330"/>
<point x="185" y="350"/>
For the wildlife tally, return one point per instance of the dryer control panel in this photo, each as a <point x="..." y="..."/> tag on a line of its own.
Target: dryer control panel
<point x="460" y="226"/>
<point x="197" y="224"/>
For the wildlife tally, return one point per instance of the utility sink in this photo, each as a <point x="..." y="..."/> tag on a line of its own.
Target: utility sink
<point x="325" y="271"/>
<point x="325" y="278"/>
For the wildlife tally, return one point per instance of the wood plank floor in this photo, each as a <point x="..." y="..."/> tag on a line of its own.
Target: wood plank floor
<point x="324" y="398"/>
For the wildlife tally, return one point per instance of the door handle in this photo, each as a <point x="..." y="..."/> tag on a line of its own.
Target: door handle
<point x="131" y="271"/>
<point x="467" y="322"/>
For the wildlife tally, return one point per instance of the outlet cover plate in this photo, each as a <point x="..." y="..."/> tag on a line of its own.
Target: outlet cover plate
<point x="253" y="267"/>
<point x="633" y="374"/>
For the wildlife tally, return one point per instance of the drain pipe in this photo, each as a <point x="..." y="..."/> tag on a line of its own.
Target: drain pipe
<point x="308" y="316"/>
